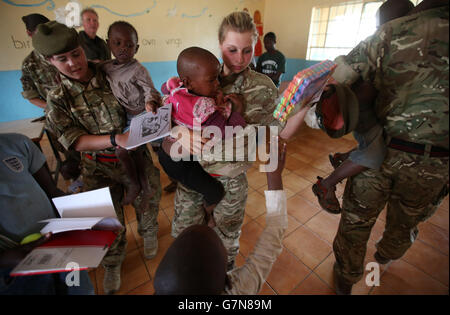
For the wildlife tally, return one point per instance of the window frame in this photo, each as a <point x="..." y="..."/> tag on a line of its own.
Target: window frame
<point x="315" y="37"/>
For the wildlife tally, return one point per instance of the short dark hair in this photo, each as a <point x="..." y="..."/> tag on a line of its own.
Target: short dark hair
<point x="125" y="24"/>
<point x="391" y="10"/>
<point x="271" y="35"/>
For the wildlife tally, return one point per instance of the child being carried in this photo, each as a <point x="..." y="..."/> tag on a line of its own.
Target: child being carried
<point x="197" y="101"/>
<point x="134" y="89"/>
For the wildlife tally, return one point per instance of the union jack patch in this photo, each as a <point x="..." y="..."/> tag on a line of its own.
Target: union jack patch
<point x="14" y="164"/>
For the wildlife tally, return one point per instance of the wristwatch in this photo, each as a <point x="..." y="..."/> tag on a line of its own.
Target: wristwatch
<point x="112" y="138"/>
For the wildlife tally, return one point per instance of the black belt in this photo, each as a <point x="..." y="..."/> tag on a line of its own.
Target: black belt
<point x="416" y="148"/>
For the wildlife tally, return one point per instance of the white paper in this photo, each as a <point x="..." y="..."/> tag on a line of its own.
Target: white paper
<point x="46" y="259"/>
<point x="71" y="224"/>
<point x="94" y="203"/>
<point x="81" y="211"/>
<point x="148" y="127"/>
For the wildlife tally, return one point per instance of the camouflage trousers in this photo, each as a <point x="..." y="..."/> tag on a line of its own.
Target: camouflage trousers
<point x="98" y="174"/>
<point x="412" y="187"/>
<point x="228" y="214"/>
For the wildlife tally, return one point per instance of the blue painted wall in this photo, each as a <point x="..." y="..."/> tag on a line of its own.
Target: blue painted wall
<point x="13" y="106"/>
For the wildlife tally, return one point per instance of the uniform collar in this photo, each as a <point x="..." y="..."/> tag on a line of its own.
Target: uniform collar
<point x="75" y="87"/>
<point x="225" y="80"/>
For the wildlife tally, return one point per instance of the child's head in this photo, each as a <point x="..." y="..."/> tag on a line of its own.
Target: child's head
<point x="391" y="10"/>
<point x="123" y="41"/>
<point x="270" y="40"/>
<point x="194" y="264"/>
<point x="199" y="71"/>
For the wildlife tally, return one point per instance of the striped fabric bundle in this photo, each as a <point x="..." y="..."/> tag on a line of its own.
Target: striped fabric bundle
<point x="303" y="86"/>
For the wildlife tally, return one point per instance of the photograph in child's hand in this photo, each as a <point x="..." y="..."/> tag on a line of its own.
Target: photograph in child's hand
<point x="148" y="127"/>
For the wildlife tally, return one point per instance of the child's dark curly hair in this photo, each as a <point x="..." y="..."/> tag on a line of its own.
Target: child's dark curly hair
<point x="125" y="24"/>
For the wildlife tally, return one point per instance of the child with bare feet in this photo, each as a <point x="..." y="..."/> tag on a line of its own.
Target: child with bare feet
<point x="368" y="132"/>
<point x="134" y="89"/>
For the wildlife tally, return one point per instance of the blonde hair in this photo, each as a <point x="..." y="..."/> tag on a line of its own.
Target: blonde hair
<point x="240" y="22"/>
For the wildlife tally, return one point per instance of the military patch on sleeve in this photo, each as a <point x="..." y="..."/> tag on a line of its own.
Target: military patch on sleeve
<point x="14" y="164"/>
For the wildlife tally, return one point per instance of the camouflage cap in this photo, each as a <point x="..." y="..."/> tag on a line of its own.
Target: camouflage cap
<point x="53" y="38"/>
<point x="338" y="114"/>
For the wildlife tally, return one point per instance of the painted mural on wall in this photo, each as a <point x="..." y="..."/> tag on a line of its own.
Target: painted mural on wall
<point x="165" y="27"/>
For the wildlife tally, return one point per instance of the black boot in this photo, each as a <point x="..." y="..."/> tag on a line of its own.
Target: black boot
<point x="341" y="286"/>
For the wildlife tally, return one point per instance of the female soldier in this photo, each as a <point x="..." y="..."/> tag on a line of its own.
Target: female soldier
<point x="237" y="39"/>
<point x="85" y="116"/>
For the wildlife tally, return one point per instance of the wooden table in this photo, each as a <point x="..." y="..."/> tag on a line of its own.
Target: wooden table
<point x="35" y="131"/>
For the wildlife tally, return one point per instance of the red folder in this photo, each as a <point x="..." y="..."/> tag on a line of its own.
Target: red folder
<point x="67" y="251"/>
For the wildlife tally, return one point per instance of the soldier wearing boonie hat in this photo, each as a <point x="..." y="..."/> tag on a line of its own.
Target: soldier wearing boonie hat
<point x="54" y="38"/>
<point x="86" y="116"/>
<point x="38" y="78"/>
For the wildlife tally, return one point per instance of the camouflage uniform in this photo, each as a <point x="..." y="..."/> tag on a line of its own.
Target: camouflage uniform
<point x="75" y="110"/>
<point x="259" y="93"/>
<point x="38" y="78"/>
<point x="408" y="61"/>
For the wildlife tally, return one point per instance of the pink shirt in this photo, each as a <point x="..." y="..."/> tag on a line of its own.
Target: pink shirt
<point x="189" y="109"/>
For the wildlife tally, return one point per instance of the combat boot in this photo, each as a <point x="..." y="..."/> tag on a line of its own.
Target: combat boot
<point x="111" y="280"/>
<point x="150" y="247"/>
<point x="341" y="286"/>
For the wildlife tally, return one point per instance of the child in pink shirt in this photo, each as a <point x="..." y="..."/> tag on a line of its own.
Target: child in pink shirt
<point x="197" y="101"/>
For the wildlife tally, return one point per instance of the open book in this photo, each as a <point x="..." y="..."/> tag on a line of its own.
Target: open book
<point x="82" y="211"/>
<point x="148" y="127"/>
<point x="74" y="244"/>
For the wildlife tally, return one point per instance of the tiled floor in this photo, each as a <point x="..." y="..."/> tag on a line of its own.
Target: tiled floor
<point x="305" y="264"/>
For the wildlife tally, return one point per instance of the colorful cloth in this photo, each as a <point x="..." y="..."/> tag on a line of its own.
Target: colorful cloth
<point x="303" y="86"/>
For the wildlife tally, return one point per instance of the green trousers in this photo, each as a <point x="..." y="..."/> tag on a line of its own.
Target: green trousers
<point x="410" y="185"/>
<point x="228" y="214"/>
<point x="98" y="174"/>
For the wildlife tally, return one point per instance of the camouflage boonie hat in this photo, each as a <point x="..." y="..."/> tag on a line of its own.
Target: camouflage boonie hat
<point x="338" y="114"/>
<point x="54" y="38"/>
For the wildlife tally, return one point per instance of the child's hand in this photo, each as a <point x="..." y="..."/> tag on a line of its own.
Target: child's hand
<point x="220" y="99"/>
<point x="122" y="139"/>
<point x="237" y="101"/>
<point x="11" y="257"/>
<point x="152" y="106"/>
